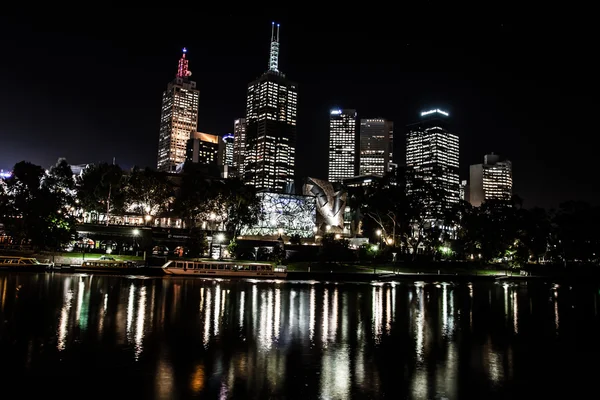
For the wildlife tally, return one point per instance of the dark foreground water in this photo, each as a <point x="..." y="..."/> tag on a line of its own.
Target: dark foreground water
<point x="81" y="336"/>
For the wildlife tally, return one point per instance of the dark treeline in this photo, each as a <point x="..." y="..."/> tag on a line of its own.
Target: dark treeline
<point x="500" y="231"/>
<point x="42" y="208"/>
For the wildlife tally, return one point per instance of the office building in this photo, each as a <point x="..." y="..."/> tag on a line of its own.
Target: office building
<point x="342" y="145"/>
<point x="432" y="152"/>
<point x="239" y="145"/>
<point x="376" y="140"/>
<point x="178" y="119"/>
<point x="271" y="106"/>
<point x="491" y="180"/>
<point x="228" y="142"/>
<point x="204" y="148"/>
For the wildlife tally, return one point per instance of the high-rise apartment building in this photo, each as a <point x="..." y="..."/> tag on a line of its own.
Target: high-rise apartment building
<point x="432" y="151"/>
<point x="178" y="119"/>
<point x="376" y="140"/>
<point x="342" y="145"/>
<point x="239" y="145"/>
<point x="491" y="180"/>
<point x="271" y="106"/>
<point x="228" y="142"/>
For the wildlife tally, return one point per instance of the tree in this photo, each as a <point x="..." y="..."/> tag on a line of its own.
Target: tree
<point x="100" y="189"/>
<point x="36" y="207"/>
<point x="195" y="199"/>
<point x="237" y="205"/>
<point x="333" y="249"/>
<point x="147" y="192"/>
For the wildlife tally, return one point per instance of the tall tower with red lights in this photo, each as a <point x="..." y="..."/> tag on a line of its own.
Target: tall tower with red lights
<point x="178" y="119"/>
<point x="270" y="137"/>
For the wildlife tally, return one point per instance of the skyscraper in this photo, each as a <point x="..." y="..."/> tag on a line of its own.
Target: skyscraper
<point x="432" y="152"/>
<point x="178" y="119"/>
<point x="239" y="144"/>
<point x="491" y="180"/>
<point x="376" y="137"/>
<point x="342" y="145"/>
<point x="228" y="140"/>
<point x="271" y="105"/>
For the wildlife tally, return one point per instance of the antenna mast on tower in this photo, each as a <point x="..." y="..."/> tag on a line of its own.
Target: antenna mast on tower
<point x="274" y="55"/>
<point x="182" y="70"/>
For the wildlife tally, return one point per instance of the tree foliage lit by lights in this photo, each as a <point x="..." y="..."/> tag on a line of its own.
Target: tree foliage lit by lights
<point x="100" y="188"/>
<point x="147" y="192"/>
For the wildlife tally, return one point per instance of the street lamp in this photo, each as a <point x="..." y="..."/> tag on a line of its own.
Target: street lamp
<point x="315" y="229"/>
<point x="280" y="231"/>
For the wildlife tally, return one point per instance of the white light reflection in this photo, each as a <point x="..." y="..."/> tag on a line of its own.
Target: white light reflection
<point x="505" y="286"/>
<point x="515" y="305"/>
<point x="292" y="308"/>
<point x="80" y="292"/>
<point x="311" y="318"/>
<point x="242" y="308"/>
<point x="345" y="325"/>
<point x="269" y="327"/>
<point x="130" y="310"/>
<point x="325" y="324"/>
<point x="335" y="376"/>
<point x="277" y="310"/>
<point x="471" y="306"/>
<point x="377" y="318"/>
<point x="254" y="306"/>
<point x="420" y="324"/>
<point x="207" y="314"/>
<point x="64" y="320"/>
<point x="140" y="320"/>
<point x="333" y="325"/>
<point x="103" y="314"/>
<point x="217" y="310"/>
<point x="388" y="310"/>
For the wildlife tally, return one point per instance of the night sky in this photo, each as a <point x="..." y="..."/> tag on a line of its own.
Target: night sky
<point x="90" y="89"/>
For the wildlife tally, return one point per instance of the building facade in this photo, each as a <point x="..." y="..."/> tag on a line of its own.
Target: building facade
<point x="491" y="180"/>
<point x="376" y="141"/>
<point x="204" y="148"/>
<point x="432" y="152"/>
<point x="178" y="119"/>
<point x="239" y="144"/>
<point x="271" y="107"/>
<point x="228" y="143"/>
<point x="342" y="145"/>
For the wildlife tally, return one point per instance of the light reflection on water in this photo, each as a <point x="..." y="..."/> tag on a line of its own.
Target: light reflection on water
<point x="330" y="341"/>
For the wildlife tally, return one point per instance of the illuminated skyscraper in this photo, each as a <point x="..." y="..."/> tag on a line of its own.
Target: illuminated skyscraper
<point x="269" y="162"/>
<point x="178" y="119"/>
<point x="432" y="152"/>
<point x="342" y="145"/>
<point x="491" y="180"/>
<point x="239" y="144"/>
<point x="228" y="150"/>
<point x="376" y="137"/>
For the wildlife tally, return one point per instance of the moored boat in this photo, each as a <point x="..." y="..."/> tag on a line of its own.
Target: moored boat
<point x="10" y="263"/>
<point x="224" y="269"/>
<point x="107" y="264"/>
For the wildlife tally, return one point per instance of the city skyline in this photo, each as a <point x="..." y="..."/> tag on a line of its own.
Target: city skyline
<point x="496" y="107"/>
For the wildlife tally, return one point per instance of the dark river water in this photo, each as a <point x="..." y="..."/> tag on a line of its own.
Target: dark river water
<point x="92" y="336"/>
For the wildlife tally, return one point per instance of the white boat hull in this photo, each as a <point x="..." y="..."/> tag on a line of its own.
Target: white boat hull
<point x="213" y="273"/>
